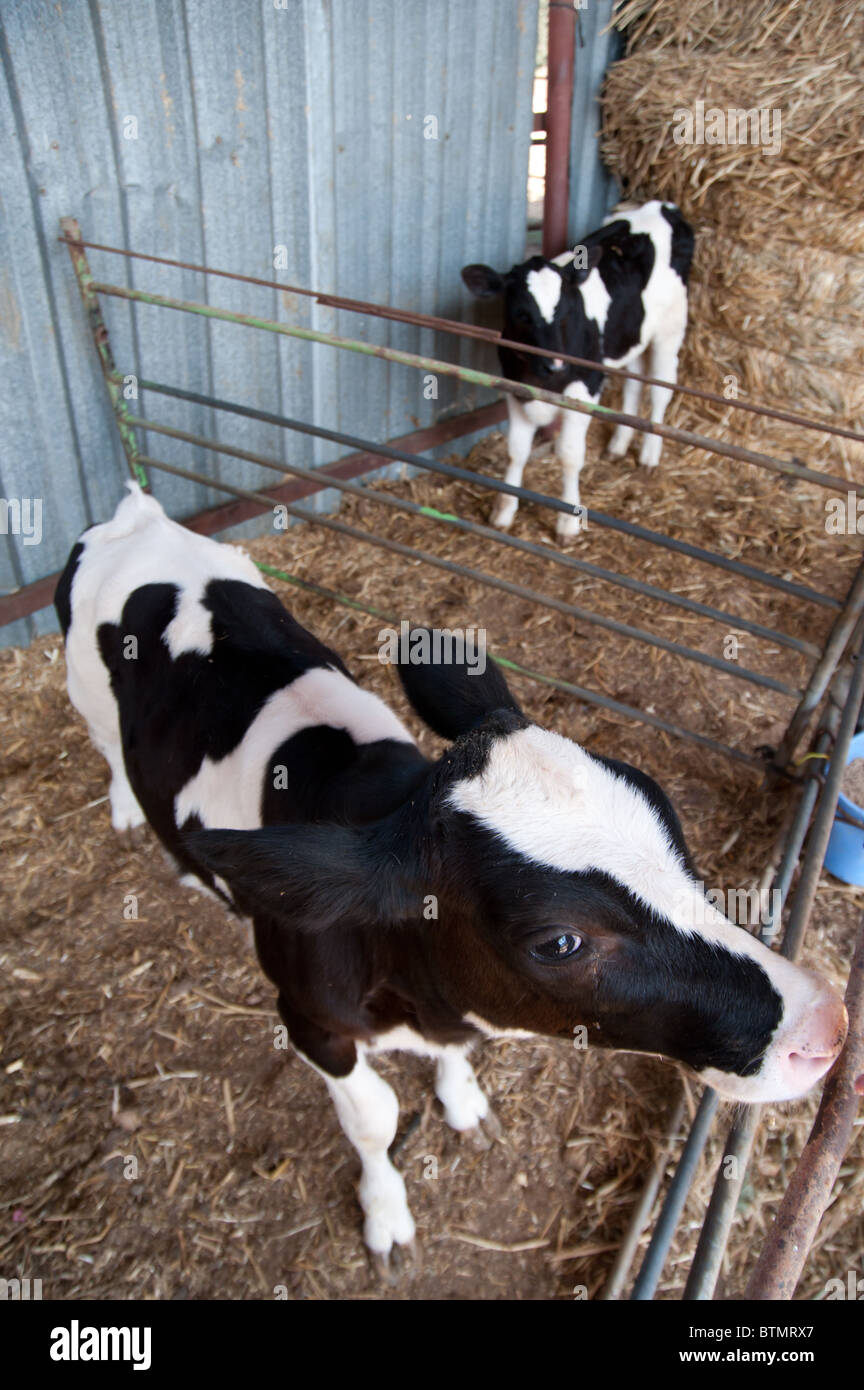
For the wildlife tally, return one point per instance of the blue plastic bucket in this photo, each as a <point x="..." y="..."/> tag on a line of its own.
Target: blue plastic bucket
<point x="845" y="856"/>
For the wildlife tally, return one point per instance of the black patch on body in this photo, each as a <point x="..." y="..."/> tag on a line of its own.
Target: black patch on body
<point x="625" y="269"/>
<point x="683" y="242"/>
<point x="63" y="592"/>
<point x="331" y="778"/>
<point x="175" y="712"/>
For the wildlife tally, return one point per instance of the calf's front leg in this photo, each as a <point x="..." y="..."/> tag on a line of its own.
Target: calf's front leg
<point x="368" y="1111"/>
<point x="520" y="437"/>
<point x="630" y="402"/>
<point x="570" y="451"/>
<point x="126" y="814"/>
<point x="664" y="364"/>
<point x="458" y="1090"/>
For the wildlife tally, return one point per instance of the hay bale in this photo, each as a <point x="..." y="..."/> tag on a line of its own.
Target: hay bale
<point x="778" y="280"/>
<point x="788" y="278"/>
<point x="812" y="149"/>
<point x="748" y="26"/>
<point x="783" y="323"/>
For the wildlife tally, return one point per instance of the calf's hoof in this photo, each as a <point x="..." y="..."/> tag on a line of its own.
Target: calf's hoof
<point x="126" y="815"/>
<point x="502" y="517"/>
<point x="388" y="1218"/>
<point x="485" y="1134"/>
<point x="492" y="1126"/>
<point x="401" y="1263"/>
<point x="567" y="527"/>
<point x="617" y="448"/>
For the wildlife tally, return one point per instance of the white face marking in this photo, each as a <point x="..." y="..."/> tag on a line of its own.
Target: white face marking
<point x="545" y="288"/>
<point x="596" y="298"/>
<point x="554" y="803"/>
<point x="226" y="794"/>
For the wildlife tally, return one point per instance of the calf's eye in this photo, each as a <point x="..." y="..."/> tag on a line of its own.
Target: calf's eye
<point x="560" y="947"/>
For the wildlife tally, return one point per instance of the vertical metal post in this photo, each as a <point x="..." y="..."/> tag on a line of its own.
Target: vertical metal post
<point x="817" y="845"/>
<point x="641" y="1214"/>
<point x="99" y="331"/>
<point x="806" y="1198"/>
<point x="559" y="103"/>
<point x="707" y="1260"/>
<point x="824" y="668"/>
<point x="728" y="1185"/>
<point x="673" y="1205"/>
<point x="726" y="1194"/>
<point x="724" y="1200"/>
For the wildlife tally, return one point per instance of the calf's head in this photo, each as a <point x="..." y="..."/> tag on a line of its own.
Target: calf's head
<point x="541" y="307"/>
<point x="564" y="899"/>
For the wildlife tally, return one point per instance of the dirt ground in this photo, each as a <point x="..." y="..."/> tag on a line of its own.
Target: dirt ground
<point x="155" y="1143"/>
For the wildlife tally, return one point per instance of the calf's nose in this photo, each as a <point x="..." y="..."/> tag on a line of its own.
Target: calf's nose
<point x="548" y="366"/>
<point x="819" y="1034"/>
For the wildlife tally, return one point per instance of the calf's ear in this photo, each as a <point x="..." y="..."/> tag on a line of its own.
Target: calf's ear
<point x="579" y="273"/>
<point x="313" y="876"/>
<point x="482" y="281"/>
<point x="452" y="697"/>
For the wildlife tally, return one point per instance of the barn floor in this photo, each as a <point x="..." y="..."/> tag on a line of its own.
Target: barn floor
<point x="155" y="1144"/>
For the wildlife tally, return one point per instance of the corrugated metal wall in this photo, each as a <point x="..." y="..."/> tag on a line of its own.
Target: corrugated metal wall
<point x="593" y="190"/>
<point x="374" y="145"/>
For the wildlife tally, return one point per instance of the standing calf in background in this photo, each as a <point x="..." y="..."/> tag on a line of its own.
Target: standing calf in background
<point x="564" y="895"/>
<point x="628" y="299"/>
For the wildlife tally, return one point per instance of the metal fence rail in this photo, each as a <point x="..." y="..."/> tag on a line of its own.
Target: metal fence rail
<point x="470" y="330"/>
<point x="498" y="485"/>
<point x="834" y="680"/>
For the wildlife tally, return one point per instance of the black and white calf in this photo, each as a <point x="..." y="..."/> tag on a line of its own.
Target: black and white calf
<point x="562" y="889"/>
<point x="629" y="299"/>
